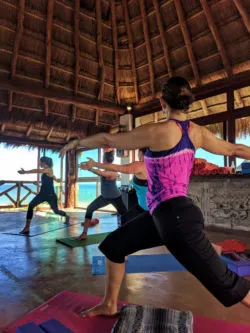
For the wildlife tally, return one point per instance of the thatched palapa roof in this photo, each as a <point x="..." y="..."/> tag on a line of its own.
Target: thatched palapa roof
<point x="70" y="68"/>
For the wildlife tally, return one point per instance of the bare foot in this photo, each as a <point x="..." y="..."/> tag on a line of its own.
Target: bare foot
<point x="67" y="219"/>
<point x="218" y="249"/>
<point x="101" y="309"/>
<point x="246" y="300"/>
<point x="25" y="231"/>
<point x="83" y="236"/>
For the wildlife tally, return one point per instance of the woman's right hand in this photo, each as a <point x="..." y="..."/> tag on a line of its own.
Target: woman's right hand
<point x="21" y="171"/>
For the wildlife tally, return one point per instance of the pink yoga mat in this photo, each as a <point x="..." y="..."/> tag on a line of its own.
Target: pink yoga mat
<point x="66" y="305"/>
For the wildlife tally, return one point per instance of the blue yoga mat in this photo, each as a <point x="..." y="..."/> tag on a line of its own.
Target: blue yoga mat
<point x="147" y="263"/>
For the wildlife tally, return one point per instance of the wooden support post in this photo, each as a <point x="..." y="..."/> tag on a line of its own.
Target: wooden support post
<point x="231" y="122"/>
<point x="61" y="182"/>
<point x="70" y="182"/>
<point x="38" y="175"/>
<point x="18" y="195"/>
<point x="19" y="32"/>
<point x="225" y="138"/>
<point x="97" y="118"/>
<point x="131" y="48"/>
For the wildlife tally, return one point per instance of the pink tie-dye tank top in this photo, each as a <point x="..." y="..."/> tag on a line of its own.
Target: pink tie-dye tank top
<point x="169" y="170"/>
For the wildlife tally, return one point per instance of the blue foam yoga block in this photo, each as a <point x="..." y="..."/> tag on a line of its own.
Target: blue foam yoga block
<point x="29" y="328"/>
<point x="54" y="326"/>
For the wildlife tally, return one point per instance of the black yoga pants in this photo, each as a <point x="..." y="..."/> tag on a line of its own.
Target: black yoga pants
<point x="179" y="225"/>
<point x="101" y="202"/>
<point x="51" y="199"/>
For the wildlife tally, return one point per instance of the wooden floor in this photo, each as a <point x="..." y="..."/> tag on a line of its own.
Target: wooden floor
<point x="34" y="269"/>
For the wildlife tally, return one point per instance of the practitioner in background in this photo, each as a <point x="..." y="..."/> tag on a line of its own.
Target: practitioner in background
<point x="110" y="194"/>
<point x="47" y="191"/>
<point x="139" y="182"/>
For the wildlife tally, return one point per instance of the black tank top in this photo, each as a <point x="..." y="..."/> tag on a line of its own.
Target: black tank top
<point x="47" y="185"/>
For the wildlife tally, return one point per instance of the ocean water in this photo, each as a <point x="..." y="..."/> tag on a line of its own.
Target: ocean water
<point x="86" y="192"/>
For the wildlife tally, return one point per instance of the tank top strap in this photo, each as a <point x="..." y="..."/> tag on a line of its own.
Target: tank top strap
<point x="183" y="125"/>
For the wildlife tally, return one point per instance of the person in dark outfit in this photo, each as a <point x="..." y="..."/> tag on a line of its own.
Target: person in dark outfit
<point x="47" y="191"/>
<point x="110" y="194"/>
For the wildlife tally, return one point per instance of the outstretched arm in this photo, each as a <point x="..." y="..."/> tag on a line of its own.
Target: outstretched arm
<point x="212" y="144"/>
<point x="105" y="174"/>
<point x="22" y="171"/>
<point x="131" y="168"/>
<point x="140" y="137"/>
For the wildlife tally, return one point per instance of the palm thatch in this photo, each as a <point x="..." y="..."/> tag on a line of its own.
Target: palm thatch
<point x="104" y="54"/>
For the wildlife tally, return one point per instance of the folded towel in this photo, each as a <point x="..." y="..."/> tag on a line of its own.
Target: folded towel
<point x="146" y="319"/>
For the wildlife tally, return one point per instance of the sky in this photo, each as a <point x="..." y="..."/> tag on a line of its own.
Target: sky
<point x="12" y="159"/>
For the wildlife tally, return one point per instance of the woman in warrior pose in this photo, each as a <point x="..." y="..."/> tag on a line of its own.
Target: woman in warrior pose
<point x="110" y="194"/>
<point x="177" y="221"/>
<point x="140" y="183"/>
<point x="47" y="191"/>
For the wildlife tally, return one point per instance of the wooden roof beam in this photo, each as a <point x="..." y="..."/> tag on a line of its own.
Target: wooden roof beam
<point x="187" y="40"/>
<point x="243" y="12"/>
<point x="29" y="131"/>
<point x="59" y="97"/>
<point x="49" y="134"/>
<point x="148" y="46"/>
<point x="238" y="98"/>
<point x="19" y="32"/>
<point x="50" y="11"/>
<point x="217" y="38"/>
<point x="204" y="106"/>
<point x="131" y="49"/>
<point x="97" y="118"/>
<point x="77" y="52"/>
<point x="115" y="43"/>
<point x="162" y="34"/>
<point x="100" y="48"/>
<point x="3" y="127"/>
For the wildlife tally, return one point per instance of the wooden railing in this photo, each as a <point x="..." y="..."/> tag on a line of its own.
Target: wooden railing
<point x="17" y="199"/>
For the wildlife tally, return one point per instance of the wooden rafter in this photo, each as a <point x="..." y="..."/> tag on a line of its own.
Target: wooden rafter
<point x="187" y="40"/>
<point x="131" y="48"/>
<point x="68" y="136"/>
<point x="77" y="53"/>
<point x="19" y="32"/>
<point x="243" y="12"/>
<point x="115" y="43"/>
<point x="59" y="97"/>
<point x="148" y="46"/>
<point x="97" y="118"/>
<point x="49" y="134"/>
<point x="3" y="126"/>
<point x="217" y="38"/>
<point x="238" y="98"/>
<point x="162" y="34"/>
<point x="100" y="48"/>
<point x="29" y="131"/>
<point x="50" y="11"/>
<point x="204" y="106"/>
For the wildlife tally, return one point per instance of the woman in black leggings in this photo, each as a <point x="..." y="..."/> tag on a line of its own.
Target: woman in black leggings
<point x="47" y="191"/>
<point x="110" y="194"/>
<point x="177" y="222"/>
